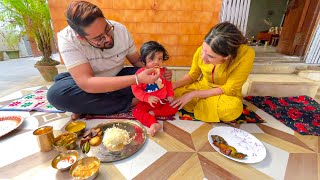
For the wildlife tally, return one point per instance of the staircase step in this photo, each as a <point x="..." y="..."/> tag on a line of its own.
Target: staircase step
<point x="280" y="85"/>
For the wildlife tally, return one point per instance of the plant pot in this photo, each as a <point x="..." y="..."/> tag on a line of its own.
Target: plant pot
<point x="47" y="72"/>
<point x="13" y="54"/>
<point x="1" y="56"/>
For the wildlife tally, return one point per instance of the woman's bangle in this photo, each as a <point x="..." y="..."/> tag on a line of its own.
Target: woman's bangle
<point x="137" y="80"/>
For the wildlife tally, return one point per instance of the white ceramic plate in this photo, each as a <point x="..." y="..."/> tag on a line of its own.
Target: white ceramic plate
<point x="242" y="141"/>
<point x="9" y="123"/>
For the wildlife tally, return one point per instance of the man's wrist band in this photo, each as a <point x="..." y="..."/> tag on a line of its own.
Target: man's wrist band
<point x="137" y="80"/>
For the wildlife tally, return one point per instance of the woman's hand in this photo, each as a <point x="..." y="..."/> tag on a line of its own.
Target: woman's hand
<point x="170" y="99"/>
<point x="147" y="76"/>
<point x="167" y="74"/>
<point x="183" y="100"/>
<point x="153" y="100"/>
<point x="174" y="86"/>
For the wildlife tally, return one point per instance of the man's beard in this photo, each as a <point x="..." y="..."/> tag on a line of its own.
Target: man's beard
<point x="107" y="45"/>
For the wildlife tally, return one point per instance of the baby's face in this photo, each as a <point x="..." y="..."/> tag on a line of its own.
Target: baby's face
<point x="156" y="61"/>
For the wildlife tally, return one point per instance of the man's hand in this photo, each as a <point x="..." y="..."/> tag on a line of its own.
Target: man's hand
<point x="167" y="74"/>
<point x="152" y="100"/>
<point x="147" y="76"/>
<point x="170" y="99"/>
<point x="183" y="100"/>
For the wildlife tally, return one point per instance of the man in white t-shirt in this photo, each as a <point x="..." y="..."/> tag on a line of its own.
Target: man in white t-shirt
<point x="94" y="50"/>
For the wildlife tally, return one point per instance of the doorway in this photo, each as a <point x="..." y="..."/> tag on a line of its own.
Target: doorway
<point x="279" y="29"/>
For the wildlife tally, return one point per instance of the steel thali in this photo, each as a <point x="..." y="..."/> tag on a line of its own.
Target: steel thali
<point x="136" y="131"/>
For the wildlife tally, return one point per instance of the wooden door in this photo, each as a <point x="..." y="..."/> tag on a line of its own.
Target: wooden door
<point x="298" y="24"/>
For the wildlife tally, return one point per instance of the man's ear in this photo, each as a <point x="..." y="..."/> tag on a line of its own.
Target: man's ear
<point x="80" y="37"/>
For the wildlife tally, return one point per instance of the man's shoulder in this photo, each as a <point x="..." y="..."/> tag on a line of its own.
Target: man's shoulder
<point x="120" y="28"/>
<point x="117" y="24"/>
<point x="67" y="33"/>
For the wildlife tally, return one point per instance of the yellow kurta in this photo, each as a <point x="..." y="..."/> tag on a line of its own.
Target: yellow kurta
<point x="230" y="79"/>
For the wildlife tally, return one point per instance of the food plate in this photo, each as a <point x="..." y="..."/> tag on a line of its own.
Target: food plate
<point x="242" y="141"/>
<point x="9" y="123"/>
<point x="136" y="131"/>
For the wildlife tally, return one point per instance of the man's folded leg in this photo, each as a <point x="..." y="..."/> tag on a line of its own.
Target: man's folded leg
<point x="65" y="95"/>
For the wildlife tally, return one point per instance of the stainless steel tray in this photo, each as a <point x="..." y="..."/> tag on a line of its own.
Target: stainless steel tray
<point x="134" y="128"/>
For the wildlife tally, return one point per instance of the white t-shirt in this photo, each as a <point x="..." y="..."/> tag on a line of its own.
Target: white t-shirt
<point x="104" y="63"/>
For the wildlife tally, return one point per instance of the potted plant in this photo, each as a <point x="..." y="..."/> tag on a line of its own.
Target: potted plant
<point x="34" y="17"/>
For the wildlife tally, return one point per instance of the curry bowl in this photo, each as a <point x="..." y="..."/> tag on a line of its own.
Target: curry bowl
<point x="65" y="160"/>
<point x="85" y="168"/>
<point x="65" y="141"/>
<point x="77" y="127"/>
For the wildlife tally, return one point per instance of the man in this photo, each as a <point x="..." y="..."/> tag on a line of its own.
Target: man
<point x="94" y="50"/>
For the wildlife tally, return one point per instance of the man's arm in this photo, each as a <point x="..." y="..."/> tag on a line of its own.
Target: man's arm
<point x="85" y="79"/>
<point x="134" y="59"/>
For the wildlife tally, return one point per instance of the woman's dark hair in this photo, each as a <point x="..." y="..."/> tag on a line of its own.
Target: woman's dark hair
<point x="225" y="39"/>
<point x="152" y="47"/>
<point x="81" y="14"/>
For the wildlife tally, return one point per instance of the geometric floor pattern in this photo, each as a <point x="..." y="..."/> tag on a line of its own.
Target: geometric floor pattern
<point x="180" y="151"/>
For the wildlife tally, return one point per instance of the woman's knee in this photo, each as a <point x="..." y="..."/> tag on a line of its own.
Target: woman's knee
<point x="229" y="109"/>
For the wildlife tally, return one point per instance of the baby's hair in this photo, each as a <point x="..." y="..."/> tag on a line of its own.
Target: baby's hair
<point x="152" y="47"/>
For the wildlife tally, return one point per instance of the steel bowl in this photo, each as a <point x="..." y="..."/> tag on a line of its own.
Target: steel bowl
<point x="85" y="168"/>
<point x="65" y="160"/>
<point x="78" y="127"/>
<point x="65" y="141"/>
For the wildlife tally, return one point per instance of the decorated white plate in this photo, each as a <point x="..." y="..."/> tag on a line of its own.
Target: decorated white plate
<point x="243" y="142"/>
<point x="9" y="123"/>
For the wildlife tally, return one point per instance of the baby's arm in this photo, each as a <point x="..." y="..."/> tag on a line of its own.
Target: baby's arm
<point x="139" y="90"/>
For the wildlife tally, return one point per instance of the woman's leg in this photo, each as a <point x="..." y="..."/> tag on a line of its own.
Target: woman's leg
<point x="218" y="108"/>
<point x="229" y="108"/>
<point x="186" y="89"/>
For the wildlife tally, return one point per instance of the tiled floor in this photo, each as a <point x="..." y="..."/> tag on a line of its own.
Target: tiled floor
<point x="181" y="151"/>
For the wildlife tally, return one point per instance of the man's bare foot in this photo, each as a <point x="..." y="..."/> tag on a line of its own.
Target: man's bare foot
<point x="134" y="102"/>
<point x="75" y="116"/>
<point x="151" y="113"/>
<point x="154" y="128"/>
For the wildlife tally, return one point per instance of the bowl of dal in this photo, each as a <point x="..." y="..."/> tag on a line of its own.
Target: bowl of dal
<point x="85" y="168"/>
<point x="77" y="127"/>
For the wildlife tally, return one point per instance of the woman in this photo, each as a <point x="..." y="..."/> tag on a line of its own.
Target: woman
<point x="212" y="88"/>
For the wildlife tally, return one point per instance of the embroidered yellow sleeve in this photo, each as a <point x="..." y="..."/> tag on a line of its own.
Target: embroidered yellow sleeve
<point x="195" y="70"/>
<point x="239" y="75"/>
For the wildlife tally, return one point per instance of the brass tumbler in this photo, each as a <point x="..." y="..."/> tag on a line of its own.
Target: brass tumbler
<point x="45" y="138"/>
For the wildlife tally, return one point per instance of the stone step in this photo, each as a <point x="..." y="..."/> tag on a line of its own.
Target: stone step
<point x="267" y="84"/>
<point x="314" y="75"/>
<point x="279" y="85"/>
<point x="260" y="67"/>
<point x="272" y="67"/>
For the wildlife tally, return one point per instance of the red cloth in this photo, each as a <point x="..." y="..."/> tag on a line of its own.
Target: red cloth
<point x="141" y="111"/>
<point x="139" y="91"/>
